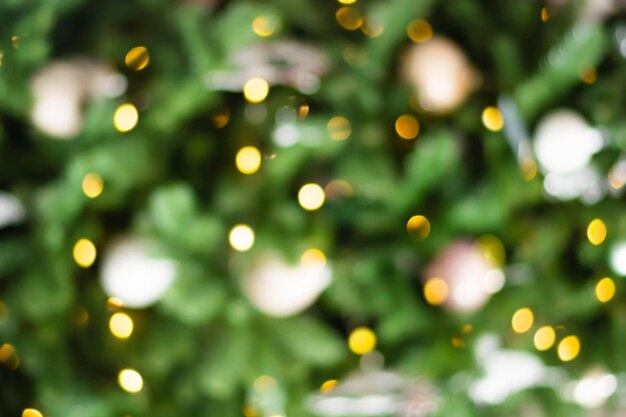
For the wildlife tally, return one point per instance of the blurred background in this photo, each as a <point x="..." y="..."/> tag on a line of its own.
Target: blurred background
<point x="283" y="208"/>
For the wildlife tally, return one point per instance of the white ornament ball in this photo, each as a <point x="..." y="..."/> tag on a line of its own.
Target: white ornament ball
<point x="280" y="290"/>
<point x="441" y="73"/>
<point x="565" y="143"/>
<point x="131" y="274"/>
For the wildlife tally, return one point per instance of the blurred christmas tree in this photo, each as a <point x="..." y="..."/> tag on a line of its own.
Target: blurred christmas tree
<point x="289" y="208"/>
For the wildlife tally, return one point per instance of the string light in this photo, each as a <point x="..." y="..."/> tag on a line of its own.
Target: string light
<point x="418" y="226"/>
<point x="137" y="58"/>
<point x="492" y="119"/>
<point x="544" y="338"/>
<point x="248" y="160"/>
<point x="241" y="237"/>
<point x="407" y="127"/>
<point x="92" y="185"/>
<point x="347" y="1"/>
<point x="84" y="253"/>
<point x="522" y="320"/>
<point x="130" y="380"/>
<point x="31" y="412"/>
<point x="596" y="232"/>
<point x="436" y="291"/>
<point x="311" y="196"/>
<point x="256" y="90"/>
<point x="121" y="325"/>
<point x="263" y="26"/>
<point x="569" y="348"/>
<point x="349" y="18"/>
<point x="9" y="356"/>
<point x="419" y="31"/>
<point x="339" y="128"/>
<point x="605" y="290"/>
<point x="125" y="117"/>
<point x="328" y="385"/>
<point x="362" y="340"/>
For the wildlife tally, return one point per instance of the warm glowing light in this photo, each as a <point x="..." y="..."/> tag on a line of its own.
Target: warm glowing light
<point x="337" y="189"/>
<point x="311" y="196"/>
<point x="522" y="320"/>
<point x="492" y="248"/>
<point x="493" y="119"/>
<point x="419" y="31"/>
<point x="7" y="351"/>
<point x="418" y="226"/>
<point x="589" y="76"/>
<point x="605" y="290"/>
<point x="528" y="168"/>
<point x="241" y="237"/>
<point x="596" y="232"/>
<point x="544" y="338"/>
<point x="84" y="253"/>
<point x="339" y="128"/>
<point x="545" y="15"/>
<point x="303" y="111"/>
<point x="221" y="118"/>
<point x="125" y="117"/>
<point x="263" y="26"/>
<point x="328" y="385"/>
<point x="121" y="325"/>
<point x="313" y="257"/>
<point x="372" y="28"/>
<point x="137" y="58"/>
<point x="362" y="340"/>
<point x="130" y="380"/>
<point x="248" y="160"/>
<point x="436" y="291"/>
<point x="569" y="348"/>
<point x="407" y="127"/>
<point x="347" y="1"/>
<point x="349" y="18"/>
<point x="256" y="90"/>
<point x="92" y="185"/>
<point x="31" y="412"/>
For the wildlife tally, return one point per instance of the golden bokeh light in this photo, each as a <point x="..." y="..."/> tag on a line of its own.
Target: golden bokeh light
<point x="338" y="189"/>
<point x="347" y="1"/>
<point x="263" y="26"/>
<point x="248" y="160"/>
<point x="31" y="412"/>
<point x="303" y="111"/>
<point x="544" y="338"/>
<point x="256" y="90"/>
<point x="339" y="128"/>
<point x="419" y="31"/>
<point x="311" y="196"/>
<point x="569" y="348"/>
<point x="596" y="232"/>
<point x="84" y="253"/>
<point x="221" y="118"/>
<point x="92" y="185"/>
<point x="418" y="227"/>
<point x="605" y="290"/>
<point x="522" y="320"/>
<point x="528" y="168"/>
<point x="407" y="127"/>
<point x="137" y="58"/>
<point x="7" y="351"/>
<point x="125" y="117"/>
<point x="492" y="248"/>
<point x="313" y="257"/>
<point x="589" y="76"/>
<point x="362" y="340"/>
<point x="241" y="237"/>
<point x="328" y="385"/>
<point x="121" y="325"/>
<point x="130" y="380"/>
<point x="492" y="119"/>
<point x="349" y="18"/>
<point x="545" y="15"/>
<point x="436" y="291"/>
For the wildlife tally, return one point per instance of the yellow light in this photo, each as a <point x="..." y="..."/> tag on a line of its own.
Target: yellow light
<point x="492" y="119"/>
<point x="328" y="385"/>
<point x="545" y="15"/>
<point x="130" y="380"/>
<point x="137" y="58"/>
<point x="407" y="127"/>
<point x="544" y="338"/>
<point x="492" y="248"/>
<point x="569" y="348"/>
<point x="589" y="76"/>
<point x="313" y="257"/>
<point x="605" y="290"/>
<point x="84" y="253"/>
<point x="92" y="185"/>
<point x="221" y="118"/>
<point x="125" y="117"/>
<point x="241" y="237"/>
<point x="7" y="351"/>
<point x="349" y="18"/>
<point x="263" y="26"/>
<point x="303" y="111"/>
<point x="248" y="160"/>
<point x="436" y="291"/>
<point x="418" y="226"/>
<point x="121" y="325"/>
<point x="256" y="90"/>
<point x="249" y="411"/>
<point x="347" y="1"/>
<point x="522" y="320"/>
<point x="114" y="303"/>
<point x="419" y="31"/>
<point x="362" y="340"/>
<point x="339" y="128"/>
<point x="596" y="232"/>
<point x="31" y="412"/>
<point x="311" y="197"/>
<point x="529" y="169"/>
